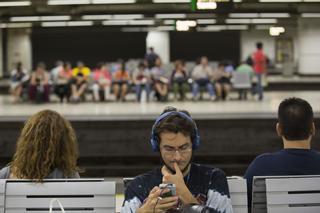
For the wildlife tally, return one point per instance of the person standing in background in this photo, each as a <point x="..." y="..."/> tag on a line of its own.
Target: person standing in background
<point x="259" y="66"/>
<point x="151" y="57"/>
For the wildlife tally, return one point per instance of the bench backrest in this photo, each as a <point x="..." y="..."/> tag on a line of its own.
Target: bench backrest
<point x="293" y="194"/>
<point x="76" y="195"/>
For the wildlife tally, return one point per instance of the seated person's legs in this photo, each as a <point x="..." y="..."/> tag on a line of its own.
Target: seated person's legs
<point x="95" y="91"/>
<point x="116" y="90"/>
<point x="106" y="89"/>
<point x="210" y="89"/>
<point x="176" y="88"/>
<point x="226" y="89"/>
<point x="32" y="92"/>
<point x="218" y="90"/>
<point x="163" y="91"/>
<point x="124" y="88"/>
<point x="195" y="90"/>
<point x="138" y="89"/>
<point x="16" y="92"/>
<point x="46" y="93"/>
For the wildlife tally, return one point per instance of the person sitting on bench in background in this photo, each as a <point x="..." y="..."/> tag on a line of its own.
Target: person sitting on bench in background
<point x="47" y="148"/>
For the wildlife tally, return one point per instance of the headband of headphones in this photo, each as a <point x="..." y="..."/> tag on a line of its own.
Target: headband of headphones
<point x="155" y="140"/>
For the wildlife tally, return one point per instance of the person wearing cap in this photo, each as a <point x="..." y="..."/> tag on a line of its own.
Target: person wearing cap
<point x="175" y="136"/>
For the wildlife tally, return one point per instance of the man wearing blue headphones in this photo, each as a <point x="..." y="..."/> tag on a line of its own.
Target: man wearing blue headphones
<point x="175" y="136"/>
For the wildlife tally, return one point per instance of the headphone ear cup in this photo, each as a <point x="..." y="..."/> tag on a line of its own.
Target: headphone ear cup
<point x="155" y="143"/>
<point x="196" y="141"/>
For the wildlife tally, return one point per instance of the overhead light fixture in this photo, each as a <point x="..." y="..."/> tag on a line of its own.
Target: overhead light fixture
<point x="243" y="15"/>
<point x="259" y="15"/>
<point x="15" y="3"/>
<point x="75" y="2"/>
<point x="128" y="16"/>
<point x="310" y="15"/>
<point x="113" y="1"/>
<point x="55" y="18"/>
<point x="172" y="16"/>
<point x="276" y="31"/>
<point x="25" y="18"/>
<point x="264" y="21"/>
<point x="212" y="28"/>
<point x="237" y="27"/>
<point x="171" y="1"/>
<point x="206" y="21"/>
<point x="115" y="22"/>
<point x="96" y="17"/>
<point x="238" y="21"/>
<point x="79" y="23"/>
<point x="39" y="18"/>
<point x="16" y="25"/>
<point x="141" y="22"/>
<point x="274" y="15"/>
<point x="185" y="25"/>
<point x="67" y="24"/>
<point x="251" y="21"/>
<point x="54" y="24"/>
<point x="68" y="2"/>
<point x="215" y="28"/>
<point x="237" y="1"/>
<point x="280" y="1"/>
<point x="311" y="0"/>
<point x="169" y="22"/>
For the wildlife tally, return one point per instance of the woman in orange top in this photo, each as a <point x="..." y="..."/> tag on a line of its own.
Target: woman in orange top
<point x="121" y="80"/>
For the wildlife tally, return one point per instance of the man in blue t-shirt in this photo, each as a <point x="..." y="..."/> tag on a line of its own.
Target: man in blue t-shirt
<point x="296" y="127"/>
<point x="175" y="136"/>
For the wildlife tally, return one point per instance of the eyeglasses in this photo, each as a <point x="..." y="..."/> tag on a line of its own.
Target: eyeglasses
<point x="183" y="150"/>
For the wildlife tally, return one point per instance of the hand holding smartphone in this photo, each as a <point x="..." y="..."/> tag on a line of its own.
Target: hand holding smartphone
<point x="171" y="187"/>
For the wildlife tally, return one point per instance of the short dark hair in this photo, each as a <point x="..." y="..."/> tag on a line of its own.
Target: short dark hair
<point x="295" y="117"/>
<point x="259" y="45"/>
<point x="175" y="124"/>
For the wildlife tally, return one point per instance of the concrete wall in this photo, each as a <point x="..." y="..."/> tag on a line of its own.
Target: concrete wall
<point x="1" y="54"/>
<point x="160" y="41"/>
<point x="309" y="51"/>
<point x="19" y="48"/>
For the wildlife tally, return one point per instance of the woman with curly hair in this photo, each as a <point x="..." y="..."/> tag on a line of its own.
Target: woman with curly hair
<point x="47" y="148"/>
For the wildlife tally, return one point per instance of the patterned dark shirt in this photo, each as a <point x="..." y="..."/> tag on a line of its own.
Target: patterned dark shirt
<point x="209" y="184"/>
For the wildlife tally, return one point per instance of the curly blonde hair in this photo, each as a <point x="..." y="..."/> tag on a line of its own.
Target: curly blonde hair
<point x="47" y="141"/>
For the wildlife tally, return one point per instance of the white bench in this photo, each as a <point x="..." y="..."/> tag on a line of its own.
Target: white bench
<point x="259" y="203"/>
<point x="76" y="195"/>
<point x="258" y="199"/>
<point x="238" y="194"/>
<point x="293" y="194"/>
<point x="237" y="189"/>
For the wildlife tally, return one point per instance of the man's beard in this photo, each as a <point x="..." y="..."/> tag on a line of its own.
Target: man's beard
<point x="172" y="170"/>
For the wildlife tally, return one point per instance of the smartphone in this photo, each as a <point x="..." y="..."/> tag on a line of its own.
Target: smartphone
<point x="170" y="186"/>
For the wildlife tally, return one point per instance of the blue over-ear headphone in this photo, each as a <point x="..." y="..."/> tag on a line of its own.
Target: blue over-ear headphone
<point x="155" y="140"/>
